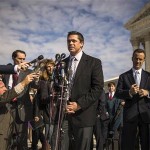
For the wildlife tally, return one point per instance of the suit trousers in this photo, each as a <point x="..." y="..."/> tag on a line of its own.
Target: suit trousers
<point x="82" y="137"/>
<point x="129" y="133"/>
<point x="98" y="131"/>
<point x="61" y="141"/>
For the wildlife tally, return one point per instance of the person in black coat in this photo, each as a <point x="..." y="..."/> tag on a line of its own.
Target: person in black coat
<point x="86" y="86"/>
<point x="134" y="87"/>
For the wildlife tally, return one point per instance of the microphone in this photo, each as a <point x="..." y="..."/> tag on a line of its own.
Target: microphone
<point x="57" y="56"/>
<point x="62" y="69"/>
<point x="37" y="59"/>
<point x="63" y="55"/>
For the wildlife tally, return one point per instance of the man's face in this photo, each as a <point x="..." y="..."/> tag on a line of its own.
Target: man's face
<point x="3" y="89"/>
<point x="19" y="59"/>
<point x="138" y="60"/>
<point x="74" y="44"/>
<point x="111" y="88"/>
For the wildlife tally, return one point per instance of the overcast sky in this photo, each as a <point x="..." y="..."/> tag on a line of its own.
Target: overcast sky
<point x="40" y="27"/>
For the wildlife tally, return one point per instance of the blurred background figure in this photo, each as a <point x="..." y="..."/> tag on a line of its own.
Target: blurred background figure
<point x="44" y="104"/>
<point x="100" y="127"/>
<point x="114" y="110"/>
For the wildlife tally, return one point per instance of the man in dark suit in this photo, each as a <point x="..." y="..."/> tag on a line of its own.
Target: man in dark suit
<point x="21" y="110"/>
<point x="86" y="86"/>
<point x="11" y="69"/>
<point x="134" y="87"/>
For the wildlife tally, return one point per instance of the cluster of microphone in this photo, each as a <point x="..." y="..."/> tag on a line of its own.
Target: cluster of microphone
<point x="59" y="64"/>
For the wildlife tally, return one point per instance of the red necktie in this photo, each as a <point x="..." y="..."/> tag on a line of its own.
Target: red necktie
<point x="110" y="96"/>
<point x="15" y="79"/>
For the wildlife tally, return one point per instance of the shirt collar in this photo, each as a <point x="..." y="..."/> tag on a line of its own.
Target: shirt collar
<point x="140" y="70"/>
<point x="112" y="93"/>
<point x="78" y="56"/>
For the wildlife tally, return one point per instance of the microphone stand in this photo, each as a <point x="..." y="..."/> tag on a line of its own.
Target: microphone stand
<point x="64" y="97"/>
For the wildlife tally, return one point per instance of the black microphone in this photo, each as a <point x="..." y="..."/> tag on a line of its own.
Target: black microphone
<point x="57" y="56"/>
<point x="63" y="55"/>
<point x="37" y="59"/>
<point x="62" y="69"/>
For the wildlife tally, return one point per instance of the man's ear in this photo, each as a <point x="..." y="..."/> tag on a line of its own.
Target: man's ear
<point x="132" y="58"/>
<point x="82" y="44"/>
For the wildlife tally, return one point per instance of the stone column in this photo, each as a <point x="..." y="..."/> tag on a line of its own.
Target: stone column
<point x="135" y="43"/>
<point x="147" y="50"/>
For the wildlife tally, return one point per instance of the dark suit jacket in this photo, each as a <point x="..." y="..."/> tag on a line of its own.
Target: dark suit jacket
<point x="86" y="90"/>
<point x="7" y="69"/>
<point x="134" y="105"/>
<point x="112" y="105"/>
<point x="24" y="105"/>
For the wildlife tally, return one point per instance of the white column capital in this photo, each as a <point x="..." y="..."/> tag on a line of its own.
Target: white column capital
<point x="135" y="43"/>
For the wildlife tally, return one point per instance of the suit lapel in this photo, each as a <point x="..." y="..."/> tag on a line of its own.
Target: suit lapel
<point x="144" y="78"/>
<point x="107" y="96"/>
<point x="130" y="77"/>
<point x="66" y="64"/>
<point x="81" y="66"/>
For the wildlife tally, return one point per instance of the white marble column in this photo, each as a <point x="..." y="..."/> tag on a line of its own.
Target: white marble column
<point x="135" y="43"/>
<point x="147" y="50"/>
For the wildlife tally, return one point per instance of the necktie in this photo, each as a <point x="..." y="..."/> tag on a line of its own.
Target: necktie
<point x="72" y="69"/>
<point x="15" y="79"/>
<point x="110" y="96"/>
<point x="137" y="78"/>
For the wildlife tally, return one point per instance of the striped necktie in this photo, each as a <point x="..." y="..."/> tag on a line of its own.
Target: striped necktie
<point x="72" y="69"/>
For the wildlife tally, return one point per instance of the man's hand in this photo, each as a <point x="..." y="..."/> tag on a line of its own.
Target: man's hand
<point x="36" y="119"/>
<point x="29" y="78"/>
<point x="134" y="89"/>
<point x="23" y="66"/>
<point x="72" y="107"/>
<point x="143" y="92"/>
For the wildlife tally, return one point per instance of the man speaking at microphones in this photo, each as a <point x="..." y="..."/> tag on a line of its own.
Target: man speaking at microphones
<point x="21" y="108"/>
<point x="85" y="87"/>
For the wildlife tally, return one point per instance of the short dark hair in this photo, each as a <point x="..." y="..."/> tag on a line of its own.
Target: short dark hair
<point x="138" y="50"/>
<point x="14" y="54"/>
<point x="111" y="83"/>
<point x="80" y="36"/>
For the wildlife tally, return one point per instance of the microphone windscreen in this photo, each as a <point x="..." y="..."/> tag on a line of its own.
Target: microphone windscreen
<point x="40" y="57"/>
